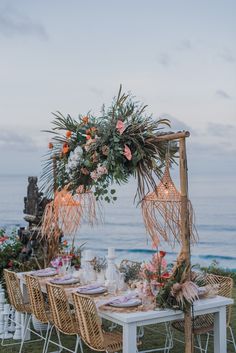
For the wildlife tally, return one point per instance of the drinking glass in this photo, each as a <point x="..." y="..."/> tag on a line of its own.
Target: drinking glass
<point x="66" y="263"/>
<point x="121" y="282"/>
<point x="111" y="287"/>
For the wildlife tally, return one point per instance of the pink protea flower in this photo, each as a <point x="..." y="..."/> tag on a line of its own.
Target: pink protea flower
<point x="94" y="175"/>
<point x="127" y="153"/>
<point x="120" y="126"/>
<point x="101" y="169"/>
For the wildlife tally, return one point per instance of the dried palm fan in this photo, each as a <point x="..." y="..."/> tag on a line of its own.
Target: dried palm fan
<point x="65" y="213"/>
<point x="161" y="212"/>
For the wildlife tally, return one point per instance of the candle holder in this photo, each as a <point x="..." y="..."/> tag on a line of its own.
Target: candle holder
<point x="6" y="335"/>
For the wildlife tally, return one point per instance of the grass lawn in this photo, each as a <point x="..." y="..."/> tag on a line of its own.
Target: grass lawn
<point x="150" y="340"/>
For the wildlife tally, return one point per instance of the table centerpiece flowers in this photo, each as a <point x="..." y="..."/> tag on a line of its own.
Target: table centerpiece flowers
<point x="156" y="269"/>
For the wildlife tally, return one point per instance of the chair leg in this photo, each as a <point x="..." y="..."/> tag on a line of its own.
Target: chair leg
<point x="46" y="337"/>
<point x="28" y="318"/>
<point x="169" y="338"/>
<point x="199" y="341"/>
<point x="59" y="340"/>
<point x="48" y="340"/>
<point x="140" y="332"/>
<point x="112" y="327"/>
<point x="77" y="343"/>
<point x="207" y="341"/>
<point x="81" y="346"/>
<point x="232" y="337"/>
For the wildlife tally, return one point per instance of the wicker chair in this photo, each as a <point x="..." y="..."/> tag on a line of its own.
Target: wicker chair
<point x="17" y="301"/>
<point x="90" y="326"/>
<point x="62" y="317"/>
<point x="204" y="324"/>
<point x="14" y="293"/>
<point x="39" y="308"/>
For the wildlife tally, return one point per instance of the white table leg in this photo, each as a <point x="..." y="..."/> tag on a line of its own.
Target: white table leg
<point x="129" y="338"/>
<point x="220" y="331"/>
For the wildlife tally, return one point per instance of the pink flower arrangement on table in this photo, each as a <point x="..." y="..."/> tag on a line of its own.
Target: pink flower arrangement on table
<point x="57" y="262"/>
<point x="156" y="269"/>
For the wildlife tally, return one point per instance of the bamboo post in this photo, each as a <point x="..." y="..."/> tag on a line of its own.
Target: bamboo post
<point x="185" y="235"/>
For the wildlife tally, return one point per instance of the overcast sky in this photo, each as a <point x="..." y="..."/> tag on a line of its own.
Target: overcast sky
<point x="179" y="57"/>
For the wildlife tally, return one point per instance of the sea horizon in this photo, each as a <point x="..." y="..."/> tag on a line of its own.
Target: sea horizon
<point x="123" y="227"/>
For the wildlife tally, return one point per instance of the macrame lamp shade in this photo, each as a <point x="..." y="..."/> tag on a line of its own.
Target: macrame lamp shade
<point x="161" y="212"/>
<point x="65" y="213"/>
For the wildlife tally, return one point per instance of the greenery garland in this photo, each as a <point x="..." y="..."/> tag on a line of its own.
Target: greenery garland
<point x="95" y="152"/>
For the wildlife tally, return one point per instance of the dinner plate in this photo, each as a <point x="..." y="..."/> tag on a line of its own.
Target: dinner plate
<point x="128" y="304"/>
<point x="44" y="273"/>
<point x="98" y="290"/>
<point x="61" y="281"/>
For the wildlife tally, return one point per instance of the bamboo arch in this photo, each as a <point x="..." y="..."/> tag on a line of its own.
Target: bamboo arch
<point x="185" y="231"/>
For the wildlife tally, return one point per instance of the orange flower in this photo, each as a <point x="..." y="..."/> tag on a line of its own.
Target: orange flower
<point x="85" y="119"/>
<point x="68" y="134"/>
<point x="50" y="145"/>
<point x="65" y="243"/>
<point x="65" y="148"/>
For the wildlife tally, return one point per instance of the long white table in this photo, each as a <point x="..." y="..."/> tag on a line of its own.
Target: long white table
<point x="130" y="321"/>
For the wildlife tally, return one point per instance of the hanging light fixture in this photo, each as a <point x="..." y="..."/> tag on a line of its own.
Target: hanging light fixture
<point x="161" y="211"/>
<point x="65" y="213"/>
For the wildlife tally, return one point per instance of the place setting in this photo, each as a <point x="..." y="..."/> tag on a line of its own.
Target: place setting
<point x="65" y="280"/>
<point x="46" y="272"/>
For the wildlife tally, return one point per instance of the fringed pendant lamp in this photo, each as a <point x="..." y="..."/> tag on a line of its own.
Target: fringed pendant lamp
<point x="161" y="212"/>
<point x="65" y="213"/>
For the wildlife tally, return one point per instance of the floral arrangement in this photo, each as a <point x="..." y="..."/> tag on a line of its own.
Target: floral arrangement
<point x="131" y="270"/>
<point x="93" y="152"/>
<point x="10" y="249"/>
<point x="156" y="269"/>
<point x="178" y="292"/>
<point x="99" y="264"/>
<point x="73" y="254"/>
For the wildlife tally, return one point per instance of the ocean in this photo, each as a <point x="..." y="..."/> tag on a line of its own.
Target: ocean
<point x="213" y="199"/>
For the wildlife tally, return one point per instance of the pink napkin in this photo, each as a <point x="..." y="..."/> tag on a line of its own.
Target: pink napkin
<point x="44" y="271"/>
<point x="88" y="288"/>
<point x="62" y="279"/>
<point x="122" y="299"/>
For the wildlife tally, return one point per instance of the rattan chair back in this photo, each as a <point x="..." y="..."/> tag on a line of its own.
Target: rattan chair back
<point x="14" y="291"/>
<point x="225" y="289"/>
<point x="60" y="309"/>
<point x="36" y="298"/>
<point x="89" y="322"/>
<point x="205" y="323"/>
